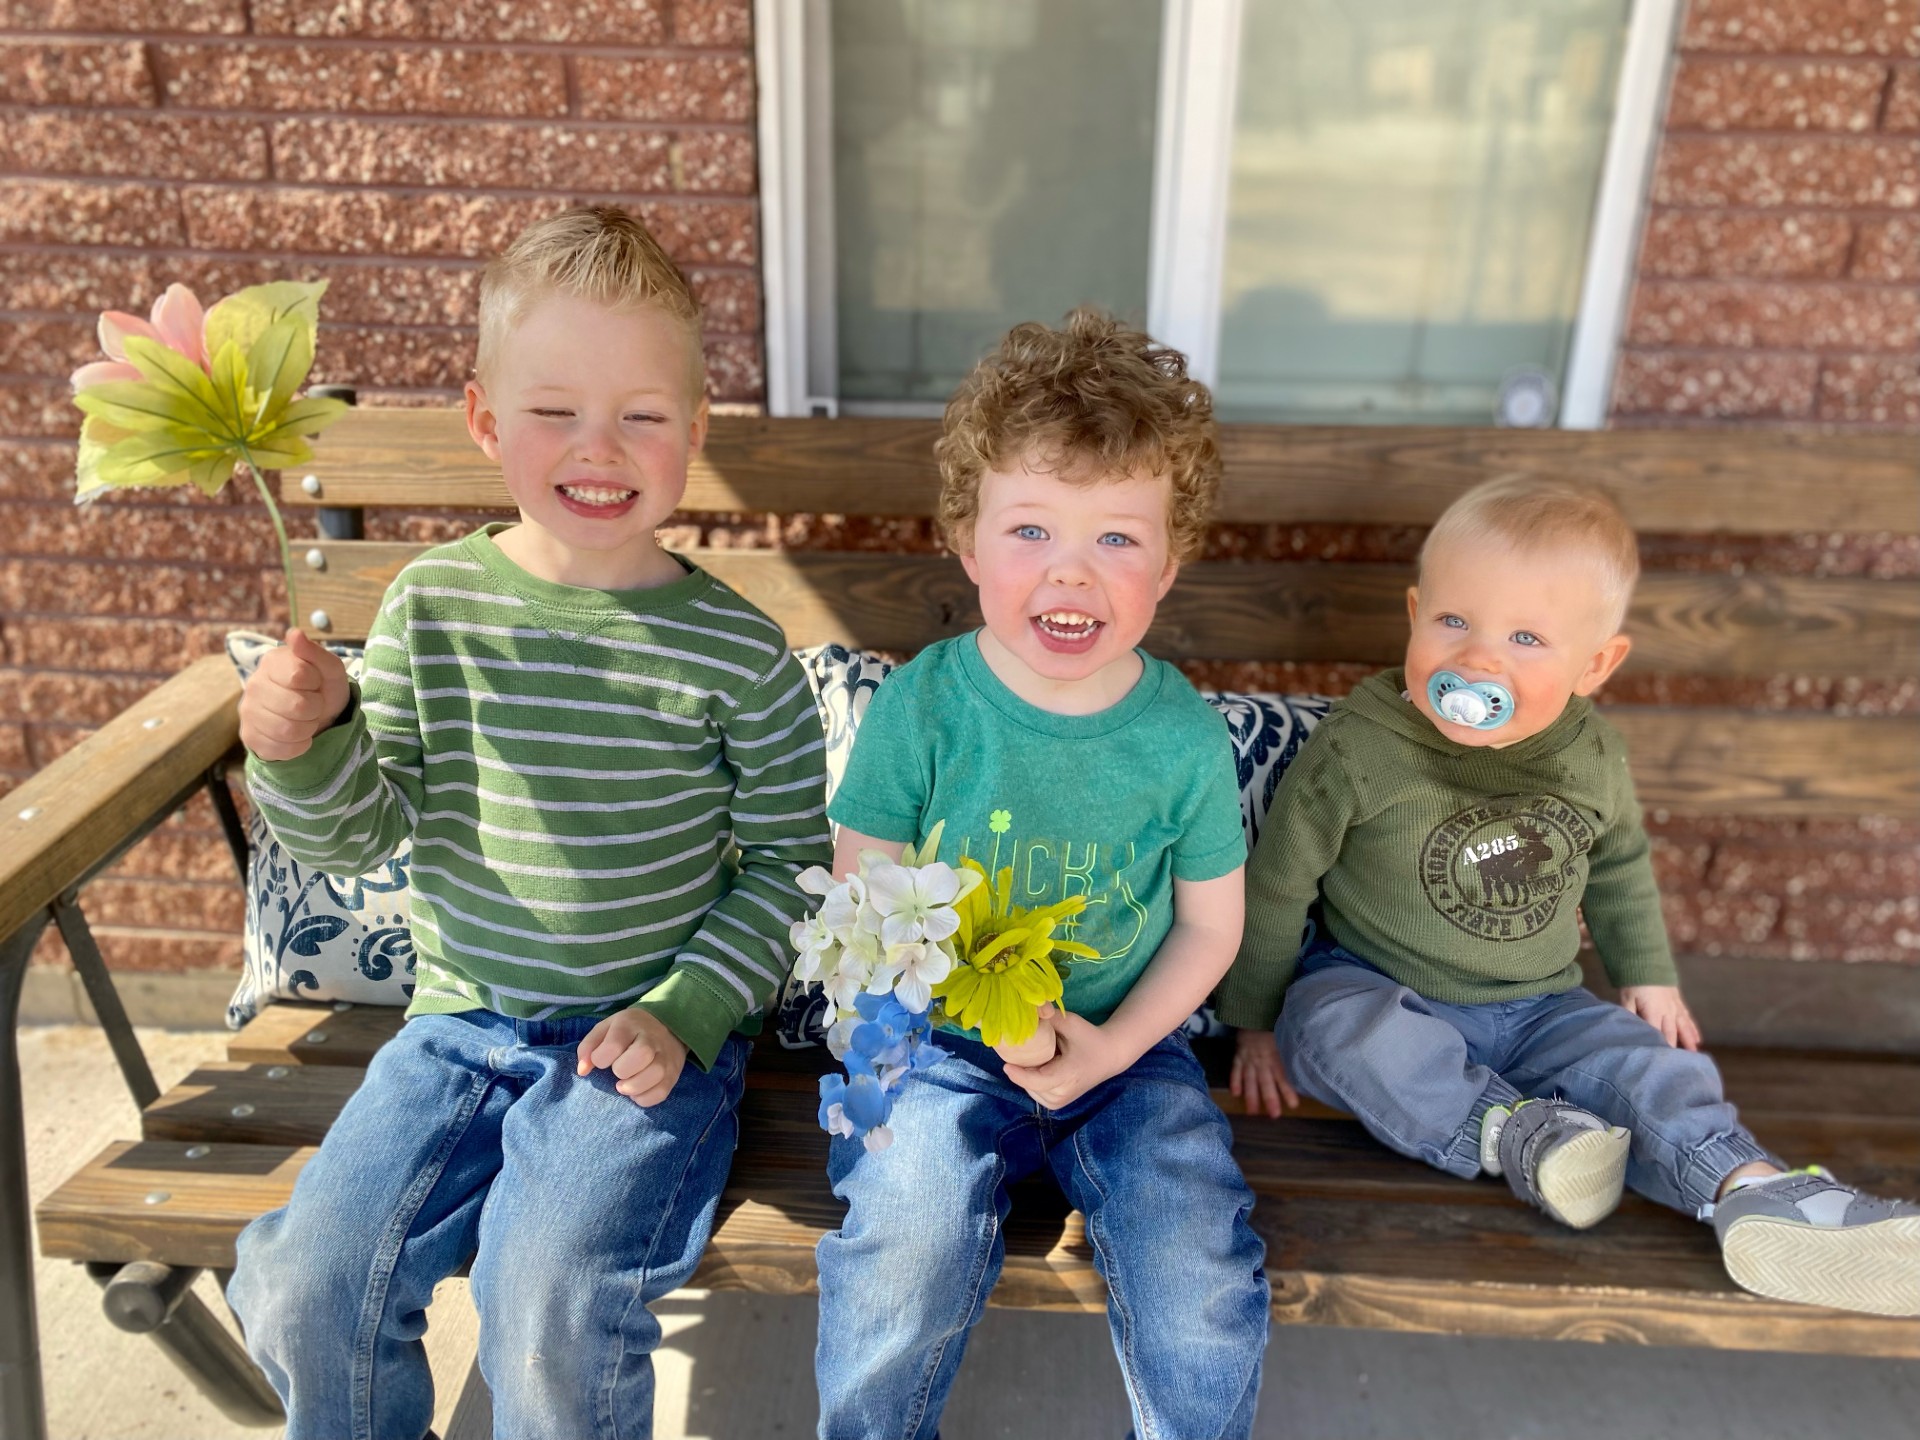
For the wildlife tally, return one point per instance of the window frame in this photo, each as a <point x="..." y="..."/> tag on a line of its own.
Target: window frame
<point x="1193" y="131"/>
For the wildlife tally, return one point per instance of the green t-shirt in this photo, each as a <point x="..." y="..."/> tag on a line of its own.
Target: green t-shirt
<point x="1115" y="806"/>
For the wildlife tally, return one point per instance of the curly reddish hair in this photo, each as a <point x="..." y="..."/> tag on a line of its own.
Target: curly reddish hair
<point x="1092" y="400"/>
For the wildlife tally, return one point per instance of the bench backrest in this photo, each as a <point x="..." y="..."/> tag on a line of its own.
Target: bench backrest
<point x="1670" y="482"/>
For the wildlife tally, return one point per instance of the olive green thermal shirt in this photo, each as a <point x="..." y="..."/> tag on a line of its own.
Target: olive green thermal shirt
<point x="1460" y="871"/>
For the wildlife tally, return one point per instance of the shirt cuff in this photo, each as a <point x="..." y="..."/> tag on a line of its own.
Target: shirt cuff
<point x="697" y="1016"/>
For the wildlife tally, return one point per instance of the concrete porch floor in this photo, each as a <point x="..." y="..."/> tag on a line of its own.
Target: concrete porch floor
<point x="739" y="1367"/>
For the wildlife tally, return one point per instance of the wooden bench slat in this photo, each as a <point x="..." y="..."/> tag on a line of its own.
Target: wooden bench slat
<point x="101" y="793"/>
<point x="284" y="1034"/>
<point x="239" y="1104"/>
<point x="1700" y="624"/>
<point x="1667" y="480"/>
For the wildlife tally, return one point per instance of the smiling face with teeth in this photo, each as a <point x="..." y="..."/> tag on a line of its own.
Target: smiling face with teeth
<point x="593" y="416"/>
<point x="1070" y="572"/>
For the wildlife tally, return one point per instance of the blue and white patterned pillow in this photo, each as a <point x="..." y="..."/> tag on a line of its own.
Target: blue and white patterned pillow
<point x="1266" y="731"/>
<point x="311" y="936"/>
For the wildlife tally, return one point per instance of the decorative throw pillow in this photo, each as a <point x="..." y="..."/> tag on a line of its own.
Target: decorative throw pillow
<point x="311" y="936"/>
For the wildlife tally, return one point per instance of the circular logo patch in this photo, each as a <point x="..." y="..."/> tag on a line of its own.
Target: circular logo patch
<point x="1498" y="869"/>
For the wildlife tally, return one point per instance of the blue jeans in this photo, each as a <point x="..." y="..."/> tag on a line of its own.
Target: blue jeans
<point x="1146" y="1157"/>
<point x="1419" y="1074"/>
<point x="473" y="1138"/>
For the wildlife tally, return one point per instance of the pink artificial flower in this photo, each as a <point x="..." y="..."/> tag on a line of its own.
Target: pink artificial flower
<point x="178" y="323"/>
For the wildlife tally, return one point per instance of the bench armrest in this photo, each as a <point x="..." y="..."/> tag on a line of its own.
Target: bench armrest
<point x="113" y="786"/>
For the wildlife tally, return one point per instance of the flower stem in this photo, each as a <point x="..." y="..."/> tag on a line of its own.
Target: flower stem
<point x="279" y="529"/>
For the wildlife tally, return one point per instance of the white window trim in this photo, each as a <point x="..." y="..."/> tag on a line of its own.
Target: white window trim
<point x="1192" y="166"/>
<point x="1613" y="244"/>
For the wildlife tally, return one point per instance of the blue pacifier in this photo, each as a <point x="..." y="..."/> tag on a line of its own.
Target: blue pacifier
<point x="1485" y="706"/>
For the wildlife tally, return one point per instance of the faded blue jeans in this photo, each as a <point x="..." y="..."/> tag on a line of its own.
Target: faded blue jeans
<point x="473" y="1138"/>
<point x="1419" y="1074"/>
<point x="1146" y="1157"/>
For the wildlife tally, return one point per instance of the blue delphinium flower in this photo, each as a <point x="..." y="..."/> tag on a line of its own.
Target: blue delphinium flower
<point x="857" y="1105"/>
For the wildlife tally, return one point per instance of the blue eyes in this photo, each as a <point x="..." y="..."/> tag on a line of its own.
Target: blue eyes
<point x="1525" y="638"/>
<point x="1113" y="539"/>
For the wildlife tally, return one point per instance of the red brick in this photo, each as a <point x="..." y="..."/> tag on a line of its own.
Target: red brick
<point x="733" y="367"/>
<point x="1773" y="316"/>
<point x="716" y="162"/>
<point x="580" y="22"/>
<point x="50" y="699"/>
<point x="36" y="470"/>
<point x="212" y="535"/>
<point x="145" y="16"/>
<point x="73" y="587"/>
<point x="713" y="23"/>
<point x="1776" y="95"/>
<point x="729" y="301"/>
<point x="1701" y="923"/>
<point x="1878" y="390"/>
<point x="1827" y="694"/>
<point x="1679" y="864"/>
<point x="169" y="854"/>
<point x="1850" y="831"/>
<point x="157" y="147"/>
<point x="709" y="232"/>
<point x="110" y="643"/>
<point x="402" y="82"/>
<point x="1692" y="243"/>
<point x="1888" y="250"/>
<point x="47" y="347"/>
<point x="37" y="407"/>
<point x="1716" y="386"/>
<point x="81" y="212"/>
<point x="1848" y="928"/>
<point x="1875" y="557"/>
<point x="75" y="72"/>
<point x="1812" y="27"/>
<point x="167" y="952"/>
<point x="694" y="87"/>
<point x="1823" y="870"/>
<point x="480" y="156"/>
<point x="1903" y="101"/>
<point x="1768" y="172"/>
<point x="13" y="748"/>
<point x="409" y="359"/>
<point x="167" y="905"/>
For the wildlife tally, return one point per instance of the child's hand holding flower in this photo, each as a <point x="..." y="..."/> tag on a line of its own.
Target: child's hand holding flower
<point x="1086" y="1054"/>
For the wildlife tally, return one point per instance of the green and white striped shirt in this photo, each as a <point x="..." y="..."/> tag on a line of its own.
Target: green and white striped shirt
<point x="610" y="794"/>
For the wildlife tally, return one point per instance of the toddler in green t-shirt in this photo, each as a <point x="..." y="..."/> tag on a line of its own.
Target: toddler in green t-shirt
<point x="1078" y="469"/>
<point x="1454" y="819"/>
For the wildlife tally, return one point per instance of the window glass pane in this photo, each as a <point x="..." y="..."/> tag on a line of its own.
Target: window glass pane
<point x="1412" y="186"/>
<point x="993" y="162"/>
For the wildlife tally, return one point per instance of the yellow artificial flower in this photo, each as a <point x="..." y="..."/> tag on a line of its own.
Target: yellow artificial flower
<point x="1011" y="964"/>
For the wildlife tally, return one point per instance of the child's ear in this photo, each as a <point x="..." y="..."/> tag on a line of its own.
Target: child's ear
<point x="1413" y="603"/>
<point x="1605" y="661"/>
<point x="971" y="565"/>
<point x="482" y="424"/>
<point x="1166" y="578"/>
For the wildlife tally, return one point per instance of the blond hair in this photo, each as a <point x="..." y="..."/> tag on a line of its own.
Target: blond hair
<point x="599" y="253"/>
<point x="1093" y="400"/>
<point x="1532" y="514"/>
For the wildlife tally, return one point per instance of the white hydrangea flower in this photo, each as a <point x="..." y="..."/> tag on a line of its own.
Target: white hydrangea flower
<point x="914" y="903"/>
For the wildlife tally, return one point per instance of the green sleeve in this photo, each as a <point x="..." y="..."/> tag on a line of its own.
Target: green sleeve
<point x="1299" y="843"/>
<point x="1212" y="842"/>
<point x="886" y="785"/>
<point x="347" y="804"/>
<point x="1622" y="903"/>
<point x="735" y="964"/>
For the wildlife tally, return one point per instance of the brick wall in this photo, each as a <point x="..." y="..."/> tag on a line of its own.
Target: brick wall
<point x="387" y="144"/>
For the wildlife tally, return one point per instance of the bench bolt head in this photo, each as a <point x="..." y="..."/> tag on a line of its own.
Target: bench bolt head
<point x="240" y="1112"/>
<point x="311" y="484"/>
<point x="317" y="558"/>
<point x="199" y="1152"/>
<point x="158" y="1197"/>
<point x="320" y="620"/>
<point x="277" y="1072"/>
<point x="316" y="1037"/>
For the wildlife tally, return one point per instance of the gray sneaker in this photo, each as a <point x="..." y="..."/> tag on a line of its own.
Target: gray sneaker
<point x="1807" y="1237"/>
<point x="1570" y="1163"/>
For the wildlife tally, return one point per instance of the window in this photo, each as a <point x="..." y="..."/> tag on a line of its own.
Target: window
<point x="1343" y="210"/>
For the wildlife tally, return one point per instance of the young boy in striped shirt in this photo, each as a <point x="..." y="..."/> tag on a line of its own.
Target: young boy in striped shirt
<point x="611" y="770"/>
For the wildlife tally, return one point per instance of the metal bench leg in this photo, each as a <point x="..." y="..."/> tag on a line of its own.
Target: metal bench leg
<point x="23" y="1405"/>
<point x="145" y="1298"/>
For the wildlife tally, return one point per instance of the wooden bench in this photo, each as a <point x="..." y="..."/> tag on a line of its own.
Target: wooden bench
<point x="1824" y="1059"/>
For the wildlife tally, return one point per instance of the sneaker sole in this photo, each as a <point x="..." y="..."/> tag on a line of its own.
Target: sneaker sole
<point x="1580" y="1180"/>
<point x="1871" y="1268"/>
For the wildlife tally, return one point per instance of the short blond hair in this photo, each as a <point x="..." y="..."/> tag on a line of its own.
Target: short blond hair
<point x="1092" y="400"/>
<point x="599" y="253"/>
<point x="1532" y="514"/>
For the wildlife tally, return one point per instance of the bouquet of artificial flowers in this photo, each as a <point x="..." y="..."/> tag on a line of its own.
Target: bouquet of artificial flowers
<point x="900" y="947"/>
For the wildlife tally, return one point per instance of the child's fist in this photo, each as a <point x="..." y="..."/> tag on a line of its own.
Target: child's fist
<point x="298" y="691"/>
<point x="645" y="1056"/>
<point x="1260" y="1076"/>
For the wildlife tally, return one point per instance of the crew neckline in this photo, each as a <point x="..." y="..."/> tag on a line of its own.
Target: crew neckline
<point x="1025" y="713"/>
<point x="583" y="599"/>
